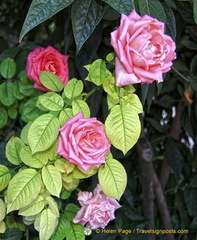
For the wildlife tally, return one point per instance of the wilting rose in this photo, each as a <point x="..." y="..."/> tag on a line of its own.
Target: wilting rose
<point x="46" y="59"/>
<point x="143" y="51"/>
<point x="83" y="142"/>
<point x="97" y="209"/>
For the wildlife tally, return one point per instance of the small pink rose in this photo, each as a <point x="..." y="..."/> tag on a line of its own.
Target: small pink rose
<point x="47" y="59"/>
<point x="97" y="209"/>
<point x="83" y="142"/>
<point x="143" y="51"/>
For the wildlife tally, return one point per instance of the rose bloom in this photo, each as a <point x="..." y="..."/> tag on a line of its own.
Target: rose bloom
<point x="83" y="142"/>
<point x="46" y="59"/>
<point x="143" y="51"/>
<point x="97" y="209"/>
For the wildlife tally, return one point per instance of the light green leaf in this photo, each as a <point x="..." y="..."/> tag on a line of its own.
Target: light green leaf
<point x="121" y="6"/>
<point x="73" y="88"/>
<point x="85" y="16"/>
<point x="97" y="72"/>
<point x="134" y="101"/>
<point x="111" y="102"/>
<point x="52" y="180"/>
<point x="110" y="87"/>
<point x="3" y="117"/>
<point x="2" y="210"/>
<point x="48" y="221"/>
<point x="62" y="229"/>
<point x="8" y="68"/>
<point x="41" y="10"/>
<point x="59" y="164"/>
<point x="23" y="188"/>
<point x="65" y="114"/>
<point x="4" y="177"/>
<point x="33" y="208"/>
<point x="76" y="232"/>
<point x="24" y="133"/>
<point x="153" y="8"/>
<point x="123" y="127"/>
<point x="53" y="205"/>
<point x="80" y="106"/>
<point x="80" y="175"/>
<point x="51" y="101"/>
<point x="43" y="132"/>
<point x="112" y="178"/>
<point x="7" y="93"/>
<point x="51" y="81"/>
<point x="2" y="227"/>
<point x="38" y="160"/>
<point x="13" y="149"/>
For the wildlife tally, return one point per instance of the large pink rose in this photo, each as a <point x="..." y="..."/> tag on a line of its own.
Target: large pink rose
<point x="46" y="59"/>
<point x="143" y="51"/>
<point x="83" y="142"/>
<point x="97" y="209"/>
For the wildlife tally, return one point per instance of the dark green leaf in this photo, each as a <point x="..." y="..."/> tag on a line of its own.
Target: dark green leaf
<point x="86" y="15"/>
<point x="6" y="93"/>
<point x="12" y="234"/>
<point x="175" y="156"/>
<point x="195" y="10"/>
<point x="41" y="10"/>
<point x="8" y="68"/>
<point x="121" y="6"/>
<point x="3" y="117"/>
<point x="190" y="196"/>
<point x="152" y="8"/>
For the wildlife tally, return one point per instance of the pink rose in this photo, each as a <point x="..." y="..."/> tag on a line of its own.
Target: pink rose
<point x="144" y="52"/>
<point x="97" y="209"/>
<point x="83" y="142"/>
<point x="46" y="59"/>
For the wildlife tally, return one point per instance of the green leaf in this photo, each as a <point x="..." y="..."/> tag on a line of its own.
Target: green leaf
<point x="41" y="10"/>
<point x="33" y="208"/>
<point x="43" y="132"/>
<point x="12" y="113"/>
<point x="123" y="127"/>
<point x="97" y="72"/>
<point x="76" y="232"/>
<point x="23" y="188"/>
<point x="8" y="68"/>
<point x="3" y="117"/>
<point x="51" y="81"/>
<point x="65" y="114"/>
<point x="24" y="133"/>
<point x="80" y="106"/>
<point x="112" y="178"/>
<point x="13" y="149"/>
<point x="2" y="210"/>
<point x="51" y="101"/>
<point x="38" y="160"/>
<point x="134" y="101"/>
<point x="12" y="222"/>
<point x="85" y="16"/>
<point x="71" y="211"/>
<point x="153" y="8"/>
<point x="6" y="93"/>
<point x="5" y="177"/>
<point x="73" y="88"/>
<point x="29" y="111"/>
<point x="47" y="226"/>
<point x="121" y="6"/>
<point x="52" y="179"/>
<point x="62" y="229"/>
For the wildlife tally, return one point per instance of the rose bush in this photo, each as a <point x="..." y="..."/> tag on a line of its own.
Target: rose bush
<point x="83" y="142"/>
<point x="97" y="209"/>
<point x="46" y="59"/>
<point x="144" y="52"/>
